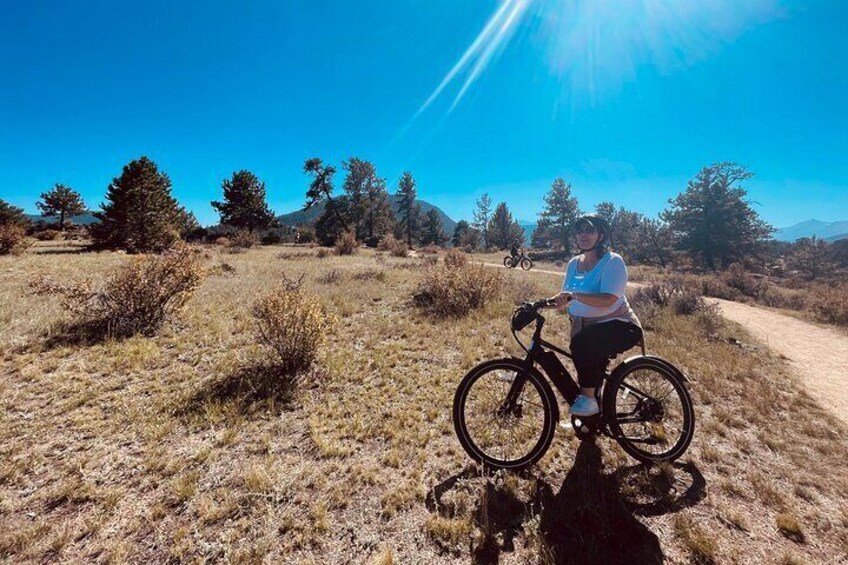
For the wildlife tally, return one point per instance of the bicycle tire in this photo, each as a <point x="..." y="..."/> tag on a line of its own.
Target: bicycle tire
<point x="612" y="402"/>
<point x="526" y="263"/>
<point x="507" y="262"/>
<point x="550" y="411"/>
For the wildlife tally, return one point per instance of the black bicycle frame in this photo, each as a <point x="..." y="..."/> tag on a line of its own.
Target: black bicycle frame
<point x="550" y="364"/>
<point x="555" y="370"/>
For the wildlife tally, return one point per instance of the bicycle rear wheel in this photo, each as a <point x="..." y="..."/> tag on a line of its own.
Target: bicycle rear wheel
<point x="498" y="433"/>
<point x="507" y="262"/>
<point x="649" y="411"/>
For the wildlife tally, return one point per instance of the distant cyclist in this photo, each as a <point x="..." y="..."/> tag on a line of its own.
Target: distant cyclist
<point x="514" y="251"/>
<point x="602" y="322"/>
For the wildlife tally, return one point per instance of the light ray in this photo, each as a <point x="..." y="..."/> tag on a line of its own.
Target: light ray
<point x="501" y="15"/>
<point x="490" y="49"/>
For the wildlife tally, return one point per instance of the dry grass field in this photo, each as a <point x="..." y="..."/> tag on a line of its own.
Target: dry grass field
<point x="165" y="449"/>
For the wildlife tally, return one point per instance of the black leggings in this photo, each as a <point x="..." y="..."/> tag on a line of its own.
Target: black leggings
<point x="595" y="345"/>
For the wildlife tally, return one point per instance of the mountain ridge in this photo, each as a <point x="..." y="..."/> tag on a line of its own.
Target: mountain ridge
<point x="299" y="217"/>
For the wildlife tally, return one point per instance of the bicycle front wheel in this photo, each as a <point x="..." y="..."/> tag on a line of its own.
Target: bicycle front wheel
<point x="650" y="412"/>
<point x="502" y="430"/>
<point x="526" y="264"/>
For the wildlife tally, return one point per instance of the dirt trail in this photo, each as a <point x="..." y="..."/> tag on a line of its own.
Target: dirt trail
<point x="818" y="354"/>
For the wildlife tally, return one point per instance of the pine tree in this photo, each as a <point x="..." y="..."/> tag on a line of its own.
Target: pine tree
<point x="188" y="225"/>
<point x="811" y="256"/>
<point x="655" y="242"/>
<point x="321" y="190"/>
<point x="355" y="186"/>
<point x="713" y="222"/>
<point x="459" y="231"/>
<point x="379" y="219"/>
<point x="625" y="228"/>
<point x="408" y="210"/>
<point x="140" y="215"/>
<point x="503" y="229"/>
<point x="11" y="214"/>
<point x="557" y="219"/>
<point x="482" y="218"/>
<point x="62" y="201"/>
<point x="434" y="232"/>
<point x="244" y="206"/>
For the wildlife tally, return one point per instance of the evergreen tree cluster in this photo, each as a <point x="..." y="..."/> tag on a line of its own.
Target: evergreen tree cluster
<point x="711" y="223"/>
<point x="363" y="209"/>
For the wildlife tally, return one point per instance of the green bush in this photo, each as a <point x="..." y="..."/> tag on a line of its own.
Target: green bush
<point x="137" y="299"/>
<point x="48" y="235"/>
<point x="293" y="324"/>
<point x="456" y="290"/>
<point x="13" y="240"/>
<point x="346" y="244"/>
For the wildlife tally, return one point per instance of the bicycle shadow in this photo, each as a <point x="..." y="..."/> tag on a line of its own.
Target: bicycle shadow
<point x="591" y="519"/>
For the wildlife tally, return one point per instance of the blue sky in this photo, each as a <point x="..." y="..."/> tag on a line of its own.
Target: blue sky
<point x="626" y="100"/>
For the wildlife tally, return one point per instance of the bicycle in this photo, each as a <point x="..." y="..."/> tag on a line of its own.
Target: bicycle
<point x="522" y="406"/>
<point x="511" y="262"/>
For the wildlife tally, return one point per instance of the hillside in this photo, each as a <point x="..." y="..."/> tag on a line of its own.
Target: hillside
<point x="84" y="219"/>
<point x="822" y="230"/>
<point x="300" y="217"/>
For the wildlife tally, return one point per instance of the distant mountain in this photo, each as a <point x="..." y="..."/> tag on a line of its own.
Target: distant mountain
<point x="85" y="219"/>
<point x="529" y="228"/>
<point x="809" y="228"/>
<point x="300" y="217"/>
<point x="833" y="238"/>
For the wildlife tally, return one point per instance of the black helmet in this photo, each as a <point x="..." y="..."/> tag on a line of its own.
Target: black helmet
<point x="599" y="223"/>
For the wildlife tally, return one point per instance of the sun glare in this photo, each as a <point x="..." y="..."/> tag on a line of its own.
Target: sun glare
<point x="596" y="46"/>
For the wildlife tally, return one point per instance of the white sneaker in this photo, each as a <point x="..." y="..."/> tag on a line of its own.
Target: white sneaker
<point x="584" y="406"/>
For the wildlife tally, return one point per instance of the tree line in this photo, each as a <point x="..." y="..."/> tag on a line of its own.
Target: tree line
<point x="710" y="225"/>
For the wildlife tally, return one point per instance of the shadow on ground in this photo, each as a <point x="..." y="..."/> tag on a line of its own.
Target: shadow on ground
<point x="591" y="518"/>
<point x="247" y="390"/>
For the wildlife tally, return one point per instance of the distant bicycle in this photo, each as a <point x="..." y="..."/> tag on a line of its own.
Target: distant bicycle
<point x="511" y="262"/>
<point x="505" y="413"/>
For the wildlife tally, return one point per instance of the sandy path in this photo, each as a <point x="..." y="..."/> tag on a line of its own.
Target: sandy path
<point x="819" y="355"/>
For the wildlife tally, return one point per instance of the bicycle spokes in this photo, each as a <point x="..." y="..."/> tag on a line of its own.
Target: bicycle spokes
<point x="502" y="421"/>
<point x="649" y="411"/>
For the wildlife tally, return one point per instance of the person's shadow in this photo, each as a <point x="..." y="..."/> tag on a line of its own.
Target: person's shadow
<point x="590" y="520"/>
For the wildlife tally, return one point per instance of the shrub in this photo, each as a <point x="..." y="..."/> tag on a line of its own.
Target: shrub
<point x="137" y="299"/>
<point x="273" y="236"/>
<point x="346" y="244"/>
<point x="830" y="305"/>
<point x="430" y="249"/>
<point x="244" y="239"/>
<point x="222" y="241"/>
<point x="48" y="235"/>
<point x="293" y="324"/>
<point x="737" y="277"/>
<point x="456" y="290"/>
<point x="13" y="240"/>
<point x="678" y="295"/>
<point x="323" y="253"/>
<point x="394" y="246"/>
<point x="456" y="258"/>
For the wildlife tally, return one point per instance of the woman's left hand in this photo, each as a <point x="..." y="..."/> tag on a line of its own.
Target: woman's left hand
<point x="562" y="300"/>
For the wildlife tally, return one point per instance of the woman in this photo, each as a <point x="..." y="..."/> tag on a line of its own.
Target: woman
<point x="602" y="322"/>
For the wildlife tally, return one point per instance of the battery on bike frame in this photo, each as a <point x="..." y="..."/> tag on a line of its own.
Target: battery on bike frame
<point x="558" y="374"/>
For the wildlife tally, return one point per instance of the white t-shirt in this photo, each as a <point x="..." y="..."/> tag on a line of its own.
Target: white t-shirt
<point x="608" y="276"/>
